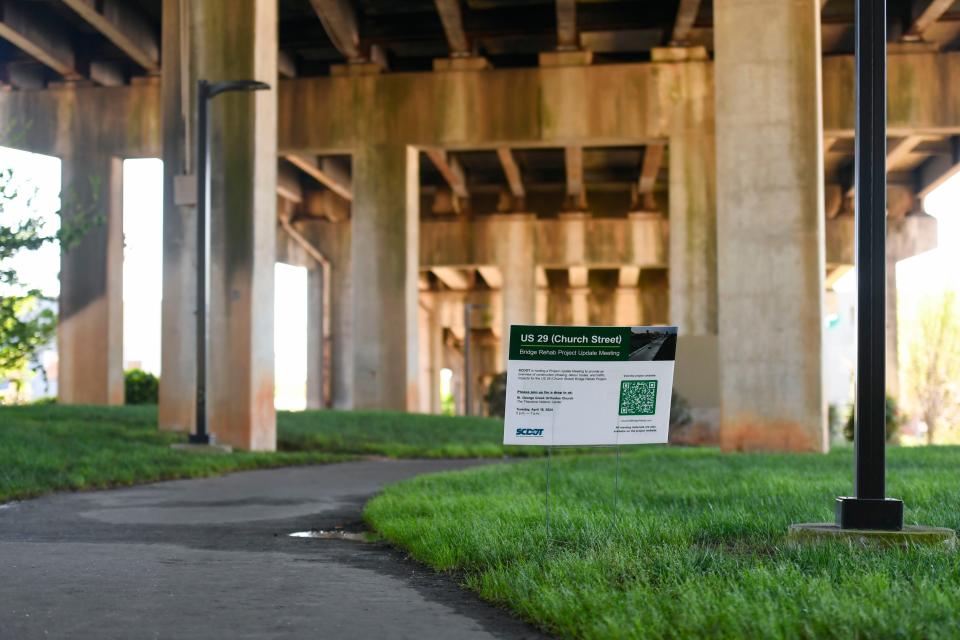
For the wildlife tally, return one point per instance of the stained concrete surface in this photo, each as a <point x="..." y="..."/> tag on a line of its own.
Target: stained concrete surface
<point x="212" y="558"/>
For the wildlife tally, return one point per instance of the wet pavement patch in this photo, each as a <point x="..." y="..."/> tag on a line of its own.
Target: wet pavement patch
<point x="334" y="534"/>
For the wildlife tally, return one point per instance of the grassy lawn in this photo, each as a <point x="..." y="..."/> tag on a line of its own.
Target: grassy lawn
<point x="47" y="448"/>
<point x="697" y="549"/>
<point x="399" y="435"/>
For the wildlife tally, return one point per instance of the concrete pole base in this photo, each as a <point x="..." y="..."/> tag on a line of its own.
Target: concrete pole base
<point x="814" y="533"/>
<point x="190" y="447"/>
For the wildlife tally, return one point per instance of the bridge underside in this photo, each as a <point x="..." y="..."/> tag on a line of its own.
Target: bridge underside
<point x="706" y="184"/>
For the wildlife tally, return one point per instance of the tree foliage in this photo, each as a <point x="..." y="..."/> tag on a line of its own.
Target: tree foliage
<point x="26" y="326"/>
<point x="27" y="319"/>
<point x="932" y="369"/>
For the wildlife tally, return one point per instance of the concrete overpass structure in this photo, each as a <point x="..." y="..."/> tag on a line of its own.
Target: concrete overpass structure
<point x="606" y="162"/>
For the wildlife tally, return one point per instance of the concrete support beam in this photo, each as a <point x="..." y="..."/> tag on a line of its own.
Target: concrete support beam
<point x="326" y="172"/>
<point x="686" y="16"/>
<point x="493" y="276"/>
<point x="340" y="22"/>
<point x="932" y="11"/>
<point x="770" y="158"/>
<point x="452" y="20"/>
<point x="286" y="65"/>
<point x="235" y="38"/>
<point x="602" y="297"/>
<point x="649" y="170"/>
<point x="938" y="169"/>
<point x="576" y="193"/>
<point x="455" y="279"/>
<point x="628" y="276"/>
<point x="572" y="239"/>
<point x="567" y="36"/>
<point x="921" y="96"/>
<point x="512" y="172"/>
<point x="578" y="277"/>
<point x="325" y="204"/>
<point x="385" y="224"/>
<point x="288" y="183"/>
<point x="579" y="305"/>
<point x="900" y="148"/>
<point x="90" y="329"/>
<point x="544" y="106"/>
<point x="124" y="26"/>
<point x="451" y="170"/>
<point x="37" y="38"/>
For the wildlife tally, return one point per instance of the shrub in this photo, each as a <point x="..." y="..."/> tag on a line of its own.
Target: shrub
<point x="892" y="418"/>
<point x="141" y="387"/>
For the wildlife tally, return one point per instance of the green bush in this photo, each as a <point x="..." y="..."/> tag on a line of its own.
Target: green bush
<point x="140" y="387"/>
<point x="892" y="417"/>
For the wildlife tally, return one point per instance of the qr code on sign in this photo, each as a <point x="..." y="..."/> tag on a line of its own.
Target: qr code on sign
<point x="638" y="397"/>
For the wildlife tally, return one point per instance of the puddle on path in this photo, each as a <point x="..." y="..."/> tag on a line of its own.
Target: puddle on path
<point x="335" y="534"/>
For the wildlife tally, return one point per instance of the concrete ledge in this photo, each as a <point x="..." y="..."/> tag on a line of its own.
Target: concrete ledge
<point x="812" y="533"/>
<point x="202" y="448"/>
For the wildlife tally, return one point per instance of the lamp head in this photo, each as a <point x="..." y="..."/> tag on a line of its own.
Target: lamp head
<point x="217" y="88"/>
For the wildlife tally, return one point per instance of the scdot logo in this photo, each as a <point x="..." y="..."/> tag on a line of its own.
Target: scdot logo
<point x="529" y="433"/>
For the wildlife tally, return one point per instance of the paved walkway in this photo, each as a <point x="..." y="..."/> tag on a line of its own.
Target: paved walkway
<point x="212" y="558"/>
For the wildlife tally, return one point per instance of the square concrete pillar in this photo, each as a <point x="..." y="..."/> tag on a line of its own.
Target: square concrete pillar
<point x="90" y="329"/>
<point x="317" y="323"/>
<point x="693" y="233"/>
<point x="515" y="249"/>
<point x="178" y="322"/>
<point x="228" y="40"/>
<point x="431" y="352"/>
<point x="385" y="266"/>
<point x="770" y="224"/>
<point x="333" y="240"/>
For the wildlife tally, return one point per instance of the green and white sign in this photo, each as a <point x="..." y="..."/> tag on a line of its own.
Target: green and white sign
<point x="589" y="385"/>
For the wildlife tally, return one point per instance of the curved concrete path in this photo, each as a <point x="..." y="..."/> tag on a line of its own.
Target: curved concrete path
<point x="212" y="558"/>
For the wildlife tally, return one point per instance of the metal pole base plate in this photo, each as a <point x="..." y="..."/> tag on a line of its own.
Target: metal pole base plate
<point x="883" y="514"/>
<point x="813" y="533"/>
<point x="200" y="438"/>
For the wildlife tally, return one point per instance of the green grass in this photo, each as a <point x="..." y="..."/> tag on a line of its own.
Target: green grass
<point x="398" y="435"/>
<point x="47" y="448"/>
<point x="696" y="549"/>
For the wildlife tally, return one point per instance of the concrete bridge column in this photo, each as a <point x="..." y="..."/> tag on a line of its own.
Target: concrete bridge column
<point x="385" y="266"/>
<point x="602" y="296"/>
<point x="693" y="231"/>
<point x="227" y="40"/>
<point x="333" y="240"/>
<point x="90" y="330"/>
<point x="317" y="320"/>
<point x="654" y="291"/>
<point x="770" y="224"/>
<point x="516" y="257"/>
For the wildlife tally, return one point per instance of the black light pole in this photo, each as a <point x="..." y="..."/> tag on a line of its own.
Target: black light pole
<point x="870" y="508"/>
<point x="205" y="92"/>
